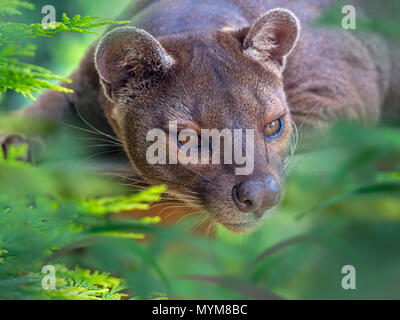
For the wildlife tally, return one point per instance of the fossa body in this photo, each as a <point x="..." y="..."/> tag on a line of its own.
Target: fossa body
<point x="227" y="64"/>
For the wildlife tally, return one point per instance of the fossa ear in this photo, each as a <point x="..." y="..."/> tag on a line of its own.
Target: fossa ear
<point x="130" y="58"/>
<point x="272" y="37"/>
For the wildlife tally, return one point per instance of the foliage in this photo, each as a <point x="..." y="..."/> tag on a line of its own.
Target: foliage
<point x="353" y="217"/>
<point x="375" y="17"/>
<point x="77" y="284"/>
<point x="53" y="221"/>
<point x="27" y="78"/>
<point x="11" y="7"/>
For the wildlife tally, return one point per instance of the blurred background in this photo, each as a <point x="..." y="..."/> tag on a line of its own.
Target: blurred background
<point x="61" y="53"/>
<point x="342" y="207"/>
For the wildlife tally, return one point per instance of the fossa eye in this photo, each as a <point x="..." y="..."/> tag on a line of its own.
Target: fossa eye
<point x="274" y="128"/>
<point x="189" y="141"/>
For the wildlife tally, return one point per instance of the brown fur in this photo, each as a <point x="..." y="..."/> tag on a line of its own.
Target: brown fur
<point x="225" y="64"/>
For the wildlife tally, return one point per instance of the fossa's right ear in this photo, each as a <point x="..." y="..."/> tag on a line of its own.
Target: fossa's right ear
<point x="130" y="59"/>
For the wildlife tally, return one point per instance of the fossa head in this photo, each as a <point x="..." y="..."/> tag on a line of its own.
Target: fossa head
<point x="225" y="79"/>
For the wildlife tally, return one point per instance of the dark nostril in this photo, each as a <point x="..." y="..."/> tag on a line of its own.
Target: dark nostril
<point x="243" y="206"/>
<point x="257" y="195"/>
<point x="247" y="196"/>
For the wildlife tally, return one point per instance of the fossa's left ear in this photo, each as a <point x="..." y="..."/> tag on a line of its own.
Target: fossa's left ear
<point x="272" y="37"/>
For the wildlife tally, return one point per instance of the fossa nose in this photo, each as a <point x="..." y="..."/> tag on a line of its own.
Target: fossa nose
<point x="257" y="194"/>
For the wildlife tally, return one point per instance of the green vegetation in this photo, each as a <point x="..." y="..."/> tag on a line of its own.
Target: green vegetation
<point x="375" y="17"/>
<point x="27" y="78"/>
<point x="59" y="213"/>
<point x="43" y="218"/>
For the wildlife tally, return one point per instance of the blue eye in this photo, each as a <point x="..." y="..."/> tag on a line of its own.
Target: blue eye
<point x="190" y="143"/>
<point x="273" y="129"/>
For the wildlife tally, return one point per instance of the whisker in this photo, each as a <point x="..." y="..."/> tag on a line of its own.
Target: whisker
<point x="134" y="186"/>
<point x="190" y="201"/>
<point x="163" y="204"/>
<point x="194" y="193"/>
<point x="181" y="197"/>
<point x="128" y="178"/>
<point x="298" y="138"/>
<point x="98" y="154"/>
<point x="98" y="146"/>
<point x="210" y="226"/>
<point x="167" y="182"/>
<point x="200" y="222"/>
<point x="75" y="127"/>
<point x="188" y="215"/>
<point x="198" y="174"/>
<point x="182" y="218"/>
<point x="103" y="140"/>
<point x="294" y="142"/>
<point x="91" y="126"/>
<point x="308" y="114"/>
<point x="171" y="207"/>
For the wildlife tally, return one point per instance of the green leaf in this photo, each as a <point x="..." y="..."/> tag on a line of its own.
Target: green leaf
<point x="137" y="201"/>
<point x="26" y="78"/>
<point x="11" y="7"/>
<point x="363" y="191"/>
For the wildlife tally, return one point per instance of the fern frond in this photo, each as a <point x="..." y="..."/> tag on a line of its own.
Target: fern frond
<point x="26" y="78"/>
<point x="12" y="32"/>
